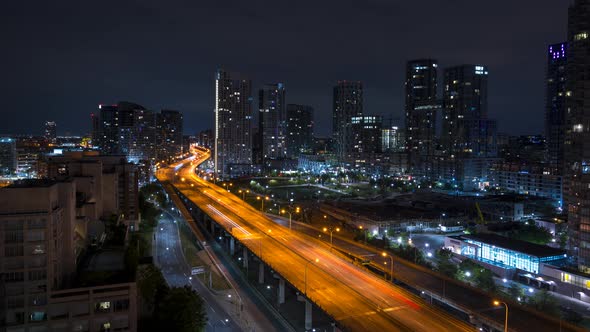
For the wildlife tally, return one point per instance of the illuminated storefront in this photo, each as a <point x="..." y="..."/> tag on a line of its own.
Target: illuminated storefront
<point x="504" y="252"/>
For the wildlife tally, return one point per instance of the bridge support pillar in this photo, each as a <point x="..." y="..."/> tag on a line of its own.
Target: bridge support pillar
<point x="232" y="245"/>
<point x="212" y="227"/>
<point x="261" y="272"/>
<point x="281" y="291"/>
<point x="245" y="258"/>
<point x="308" y="308"/>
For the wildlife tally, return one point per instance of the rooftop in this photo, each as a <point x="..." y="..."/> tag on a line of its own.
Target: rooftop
<point x="32" y="183"/>
<point x="515" y="245"/>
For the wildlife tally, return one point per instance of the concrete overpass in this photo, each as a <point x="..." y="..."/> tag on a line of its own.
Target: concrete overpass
<point x="356" y="299"/>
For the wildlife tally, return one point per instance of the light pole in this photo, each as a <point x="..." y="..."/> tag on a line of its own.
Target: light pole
<point x="243" y="192"/>
<point x="262" y="200"/>
<point x="384" y="254"/>
<point x="289" y="212"/>
<point x="497" y="303"/>
<point x="331" y="230"/>
<point x="364" y="231"/>
<point x="305" y="275"/>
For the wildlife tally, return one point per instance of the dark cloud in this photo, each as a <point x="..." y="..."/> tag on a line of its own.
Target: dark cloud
<point x="61" y="58"/>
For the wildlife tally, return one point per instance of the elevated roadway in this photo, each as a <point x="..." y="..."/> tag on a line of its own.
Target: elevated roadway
<point x="356" y="299"/>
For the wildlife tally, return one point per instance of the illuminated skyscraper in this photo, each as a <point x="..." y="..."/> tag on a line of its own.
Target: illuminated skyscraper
<point x="233" y="124"/>
<point x="299" y="129"/>
<point x="367" y="137"/>
<point x="169" y="126"/>
<point x="555" y="104"/>
<point x="348" y="103"/>
<point x="50" y="132"/>
<point x="577" y="136"/>
<point x="467" y="131"/>
<point x="272" y="121"/>
<point x="7" y="155"/>
<point x="421" y="108"/>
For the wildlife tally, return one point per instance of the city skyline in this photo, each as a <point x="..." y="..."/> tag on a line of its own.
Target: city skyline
<point x="103" y="66"/>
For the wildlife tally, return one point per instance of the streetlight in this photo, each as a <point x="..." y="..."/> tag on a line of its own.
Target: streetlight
<point x="243" y="192"/>
<point x="262" y="205"/>
<point x="331" y="230"/>
<point x="497" y="303"/>
<point x="305" y="275"/>
<point x="365" y="231"/>
<point x="384" y="254"/>
<point x="289" y="212"/>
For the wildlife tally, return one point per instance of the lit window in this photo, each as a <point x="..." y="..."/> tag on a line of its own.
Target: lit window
<point x="578" y="128"/>
<point x="581" y="36"/>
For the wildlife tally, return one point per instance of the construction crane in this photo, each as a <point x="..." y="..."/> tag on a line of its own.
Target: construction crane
<point x="481" y="221"/>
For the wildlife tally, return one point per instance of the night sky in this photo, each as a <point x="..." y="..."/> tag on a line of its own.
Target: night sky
<point x="60" y="59"/>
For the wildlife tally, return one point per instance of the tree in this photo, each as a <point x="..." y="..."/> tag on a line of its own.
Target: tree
<point x="474" y="274"/>
<point x="444" y="264"/>
<point x="150" y="282"/>
<point x="181" y="310"/>
<point x="532" y="233"/>
<point x="485" y="280"/>
<point x="515" y="292"/>
<point x="543" y="301"/>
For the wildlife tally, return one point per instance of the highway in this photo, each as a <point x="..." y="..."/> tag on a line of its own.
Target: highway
<point x="356" y="299"/>
<point x="172" y="263"/>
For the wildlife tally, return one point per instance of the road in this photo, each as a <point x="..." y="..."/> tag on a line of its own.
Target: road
<point x="480" y="303"/>
<point x="356" y="299"/>
<point x="170" y="259"/>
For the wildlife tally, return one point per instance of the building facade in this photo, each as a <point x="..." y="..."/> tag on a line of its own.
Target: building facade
<point x="555" y="110"/>
<point x="299" y="130"/>
<point x="110" y="181"/>
<point x="50" y="132"/>
<point x="421" y="110"/>
<point x="504" y="253"/>
<point x="348" y="103"/>
<point x="272" y="121"/>
<point x="366" y="135"/>
<point x="467" y="132"/>
<point x="233" y="123"/>
<point x="534" y="180"/>
<point x="169" y="138"/>
<point x="40" y="247"/>
<point x="7" y="156"/>
<point x="577" y="133"/>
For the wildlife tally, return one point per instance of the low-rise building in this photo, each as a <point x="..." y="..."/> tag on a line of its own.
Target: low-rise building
<point x="529" y="180"/>
<point x="506" y="256"/>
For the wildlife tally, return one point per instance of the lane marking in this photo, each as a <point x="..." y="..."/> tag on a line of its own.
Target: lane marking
<point x="226" y="218"/>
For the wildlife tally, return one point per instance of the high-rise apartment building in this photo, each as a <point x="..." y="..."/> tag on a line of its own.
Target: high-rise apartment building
<point x="299" y="130"/>
<point x="7" y="155"/>
<point x="50" y="132"/>
<point x="41" y="241"/>
<point x="139" y="134"/>
<point x="392" y="139"/>
<point x="577" y="128"/>
<point x="169" y="126"/>
<point x="555" y="108"/>
<point x="366" y="137"/>
<point x="421" y="109"/>
<point x="38" y="246"/>
<point x="272" y="121"/>
<point x="467" y="131"/>
<point x="111" y="182"/>
<point x="348" y="103"/>
<point x="233" y="124"/>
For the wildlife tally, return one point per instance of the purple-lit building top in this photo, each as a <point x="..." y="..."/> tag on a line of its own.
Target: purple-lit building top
<point x="557" y="51"/>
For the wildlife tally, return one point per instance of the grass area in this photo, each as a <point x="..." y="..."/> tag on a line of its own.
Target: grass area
<point x="196" y="257"/>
